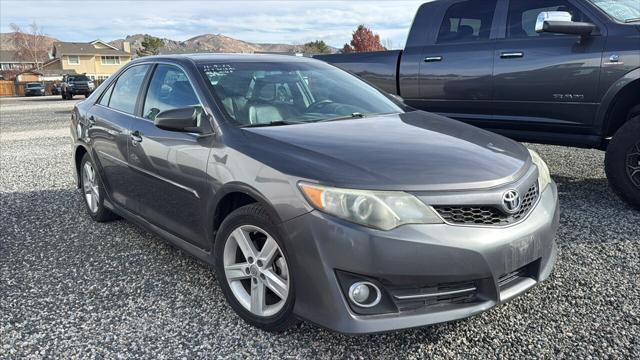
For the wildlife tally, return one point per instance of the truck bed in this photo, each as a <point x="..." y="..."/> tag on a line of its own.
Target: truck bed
<point x="379" y="68"/>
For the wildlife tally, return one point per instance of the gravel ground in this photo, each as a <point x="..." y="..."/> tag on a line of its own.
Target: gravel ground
<point x="71" y="287"/>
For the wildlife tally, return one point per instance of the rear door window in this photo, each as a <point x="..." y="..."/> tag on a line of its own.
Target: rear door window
<point x="467" y="21"/>
<point x="125" y="92"/>
<point x="106" y="96"/>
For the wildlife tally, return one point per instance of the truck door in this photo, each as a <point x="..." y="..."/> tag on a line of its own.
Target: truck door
<point x="545" y="82"/>
<point x="457" y="64"/>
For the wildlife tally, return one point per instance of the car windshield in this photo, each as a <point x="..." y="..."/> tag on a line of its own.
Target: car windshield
<point x="621" y="10"/>
<point x="79" y="78"/>
<point x="282" y="93"/>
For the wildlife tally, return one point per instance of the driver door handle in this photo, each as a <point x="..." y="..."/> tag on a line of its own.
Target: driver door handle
<point x="136" y="137"/>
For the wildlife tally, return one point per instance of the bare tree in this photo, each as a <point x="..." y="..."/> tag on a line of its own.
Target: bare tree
<point x="31" y="45"/>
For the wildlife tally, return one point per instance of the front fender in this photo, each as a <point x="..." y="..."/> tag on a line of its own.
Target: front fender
<point x="610" y="96"/>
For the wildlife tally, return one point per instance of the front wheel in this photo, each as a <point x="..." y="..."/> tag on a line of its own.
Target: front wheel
<point x="252" y="269"/>
<point x="622" y="162"/>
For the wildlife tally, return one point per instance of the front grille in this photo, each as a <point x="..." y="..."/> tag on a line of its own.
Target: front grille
<point x="487" y="215"/>
<point x="438" y="294"/>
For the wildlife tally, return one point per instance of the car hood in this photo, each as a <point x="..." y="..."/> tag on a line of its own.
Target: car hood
<point x="412" y="151"/>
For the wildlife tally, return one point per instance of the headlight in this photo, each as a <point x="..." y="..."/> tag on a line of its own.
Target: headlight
<point x="383" y="210"/>
<point x="543" y="170"/>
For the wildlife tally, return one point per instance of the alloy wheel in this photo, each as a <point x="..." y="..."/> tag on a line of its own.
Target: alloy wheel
<point x="633" y="164"/>
<point x="90" y="187"/>
<point x="256" y="270"/>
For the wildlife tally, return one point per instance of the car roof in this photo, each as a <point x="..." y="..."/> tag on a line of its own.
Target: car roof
<point x="218" y="57"/>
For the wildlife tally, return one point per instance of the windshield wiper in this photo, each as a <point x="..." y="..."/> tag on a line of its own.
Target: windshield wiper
<point x="355" y="115"/>
<point x="631" y="20"/>
<point x="273" y="123"/>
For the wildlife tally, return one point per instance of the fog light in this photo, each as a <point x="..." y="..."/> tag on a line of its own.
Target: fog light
<point x="364" y="294"/>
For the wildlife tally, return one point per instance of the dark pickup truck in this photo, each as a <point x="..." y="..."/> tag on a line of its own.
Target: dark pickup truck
<point x="563" y="72"/>
<point x="76" y="85"/>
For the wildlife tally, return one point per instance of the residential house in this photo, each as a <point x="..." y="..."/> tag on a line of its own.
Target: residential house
<point x="11" y="60"/>
<point x="96" y="59"/>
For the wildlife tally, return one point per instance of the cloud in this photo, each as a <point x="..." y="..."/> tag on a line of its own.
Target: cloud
<point x="255" y="21"/>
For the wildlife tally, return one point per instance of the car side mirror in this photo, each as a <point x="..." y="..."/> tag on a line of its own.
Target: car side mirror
<point x="181" y="119"/>
<point x="560" y="22"/>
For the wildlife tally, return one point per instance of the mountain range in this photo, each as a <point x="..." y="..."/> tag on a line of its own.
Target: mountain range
<point x="200" y="43"/>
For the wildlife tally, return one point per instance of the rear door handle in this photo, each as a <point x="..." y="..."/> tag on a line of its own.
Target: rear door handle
<point x="512" y="55"/>
<point x="136" y="136"/>
<point x="433" y="58"/>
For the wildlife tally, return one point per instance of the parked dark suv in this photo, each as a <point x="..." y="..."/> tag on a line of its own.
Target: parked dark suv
<point x="76" y="85"/>
<point x="561" y="72"/>
<point x="313" y="194"/>
<point x="33" y="89"/>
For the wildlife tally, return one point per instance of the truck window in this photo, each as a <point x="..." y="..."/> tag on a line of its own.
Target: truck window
<point x="467" y="21"/>
<point x="523" y="15"/>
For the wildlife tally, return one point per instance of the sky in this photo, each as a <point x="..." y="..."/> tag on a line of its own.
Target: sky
<point x="289" y="22"/>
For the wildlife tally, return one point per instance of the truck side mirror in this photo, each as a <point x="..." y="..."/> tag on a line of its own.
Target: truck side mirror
<point x="560" y="22"/>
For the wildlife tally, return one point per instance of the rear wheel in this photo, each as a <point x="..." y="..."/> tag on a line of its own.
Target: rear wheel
<point x="622" y="161"/>
<point x="252" y="269"/>
<point x="93" y="191"/>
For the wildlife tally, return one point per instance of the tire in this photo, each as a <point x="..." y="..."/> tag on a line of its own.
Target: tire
<point x="622" y="161"/>
<point x="93" y="191"/>
<point x="239" y="275"/>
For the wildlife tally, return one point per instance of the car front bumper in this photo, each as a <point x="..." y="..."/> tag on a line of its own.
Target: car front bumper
<point x="499" y="262"/>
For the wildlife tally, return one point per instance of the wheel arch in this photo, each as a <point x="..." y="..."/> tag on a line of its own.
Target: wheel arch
<point x="618" y="101"/>
<point x="79" y="153"/>
<point x="232" y="196"/>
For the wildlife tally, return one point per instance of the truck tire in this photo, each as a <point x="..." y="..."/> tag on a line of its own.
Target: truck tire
<point x="622" y="160"/>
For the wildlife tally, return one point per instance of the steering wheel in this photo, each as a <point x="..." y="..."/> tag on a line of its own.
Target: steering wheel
<point x="318" y="105"/>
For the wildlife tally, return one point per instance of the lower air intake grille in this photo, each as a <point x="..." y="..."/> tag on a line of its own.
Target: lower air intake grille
<point x="487" y="215"/>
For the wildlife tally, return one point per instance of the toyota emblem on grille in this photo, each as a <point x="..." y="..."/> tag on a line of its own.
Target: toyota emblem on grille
<point x="511" y="201"/>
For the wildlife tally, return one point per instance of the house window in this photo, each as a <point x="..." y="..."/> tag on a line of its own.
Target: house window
<point x="73" y="59"/>
<point x="110" y="60"/>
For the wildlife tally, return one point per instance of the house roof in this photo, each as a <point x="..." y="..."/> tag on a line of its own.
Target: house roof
<point x="56" y="72"/>
<point x="11" y="56"/>
<point x="103" y="43"/>
<point x="78" y="48"/>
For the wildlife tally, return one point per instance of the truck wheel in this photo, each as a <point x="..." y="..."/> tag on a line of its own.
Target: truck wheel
<point x="622" y="161"/>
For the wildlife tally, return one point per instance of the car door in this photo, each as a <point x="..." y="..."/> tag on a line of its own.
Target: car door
<point x="169" y="167"/>
<point x="545" y="81"/>
<point x="456" y="68"/>
<point x="109" y="120"/>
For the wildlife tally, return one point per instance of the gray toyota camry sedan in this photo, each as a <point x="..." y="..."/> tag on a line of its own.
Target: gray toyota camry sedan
<point x="313" y="194"/>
